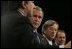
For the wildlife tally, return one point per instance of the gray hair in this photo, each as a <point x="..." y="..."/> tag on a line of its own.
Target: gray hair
<point x="47" y="24"/>
<point x="39" y="9"/>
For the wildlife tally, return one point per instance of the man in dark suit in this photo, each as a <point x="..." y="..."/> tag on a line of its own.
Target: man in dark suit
<point x="36" y="20"/>
<point x="60" y="38"/>
<point x="16" y="29"/>
<point x="49" y="30"/>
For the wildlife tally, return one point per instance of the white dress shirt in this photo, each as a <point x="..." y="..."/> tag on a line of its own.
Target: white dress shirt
<point x="50" y="42"/>
<point x="60" y="46"/>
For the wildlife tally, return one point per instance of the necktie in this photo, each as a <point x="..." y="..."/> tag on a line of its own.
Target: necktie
<point x="36" y="35"/>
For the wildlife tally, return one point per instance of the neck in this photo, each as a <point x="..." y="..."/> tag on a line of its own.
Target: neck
<point x="35" y="29"/>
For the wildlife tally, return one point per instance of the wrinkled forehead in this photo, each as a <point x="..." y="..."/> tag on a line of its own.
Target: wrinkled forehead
<point x="37" y="12"/>
<point x="54" y="26"/>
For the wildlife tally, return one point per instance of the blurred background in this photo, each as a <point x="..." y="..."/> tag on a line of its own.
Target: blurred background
<point x="59" y="11"/>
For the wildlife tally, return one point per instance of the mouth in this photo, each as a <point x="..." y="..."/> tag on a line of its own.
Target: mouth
<point x="35" y="23"/>
<point x="52" y="36"/>
<point x="62" y="41"/>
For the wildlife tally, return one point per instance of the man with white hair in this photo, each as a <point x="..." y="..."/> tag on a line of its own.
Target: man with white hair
<point x="49" y="30"/>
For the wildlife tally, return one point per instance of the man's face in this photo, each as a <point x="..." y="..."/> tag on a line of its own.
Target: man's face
<point x="36" y="18"/>
<point x="61" y="38"/>
<point x="29" y="6"/>
<point x="51" y="31"/>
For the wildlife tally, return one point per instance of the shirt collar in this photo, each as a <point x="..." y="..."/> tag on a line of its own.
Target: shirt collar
<point x="50" y="42"/>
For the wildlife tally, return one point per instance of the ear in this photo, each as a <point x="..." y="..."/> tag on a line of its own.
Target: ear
<point x="44" y="31"/>
<point x="23" y="4"/>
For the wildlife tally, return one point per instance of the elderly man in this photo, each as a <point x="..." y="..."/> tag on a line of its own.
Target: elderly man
<point x="49" y="30"/>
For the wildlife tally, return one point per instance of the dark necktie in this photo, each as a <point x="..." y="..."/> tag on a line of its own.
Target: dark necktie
<point x="37" y="37"/>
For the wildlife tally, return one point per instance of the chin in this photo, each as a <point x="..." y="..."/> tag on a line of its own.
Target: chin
<point x="35" y="27"/>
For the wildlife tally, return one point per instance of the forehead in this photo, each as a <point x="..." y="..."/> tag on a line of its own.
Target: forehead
<point x="37" y="12"/>
<point x="61" y="34"/>
<point x="54" y="26"/>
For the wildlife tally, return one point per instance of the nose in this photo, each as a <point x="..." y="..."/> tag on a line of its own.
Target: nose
<point x="53" y="32"/>
<point x="36" y="19"/>
<point x="62" y="39"/>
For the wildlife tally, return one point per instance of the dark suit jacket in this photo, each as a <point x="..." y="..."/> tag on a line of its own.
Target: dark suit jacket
<point x="53" y="46"/>
<point x="16" y="31"/>
<point x="43" y="41"/>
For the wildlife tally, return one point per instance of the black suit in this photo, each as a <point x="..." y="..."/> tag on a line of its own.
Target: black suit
<point x="43" y="42"/>
<point x="16" y="31"/>
<point x="53" y="46"/>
